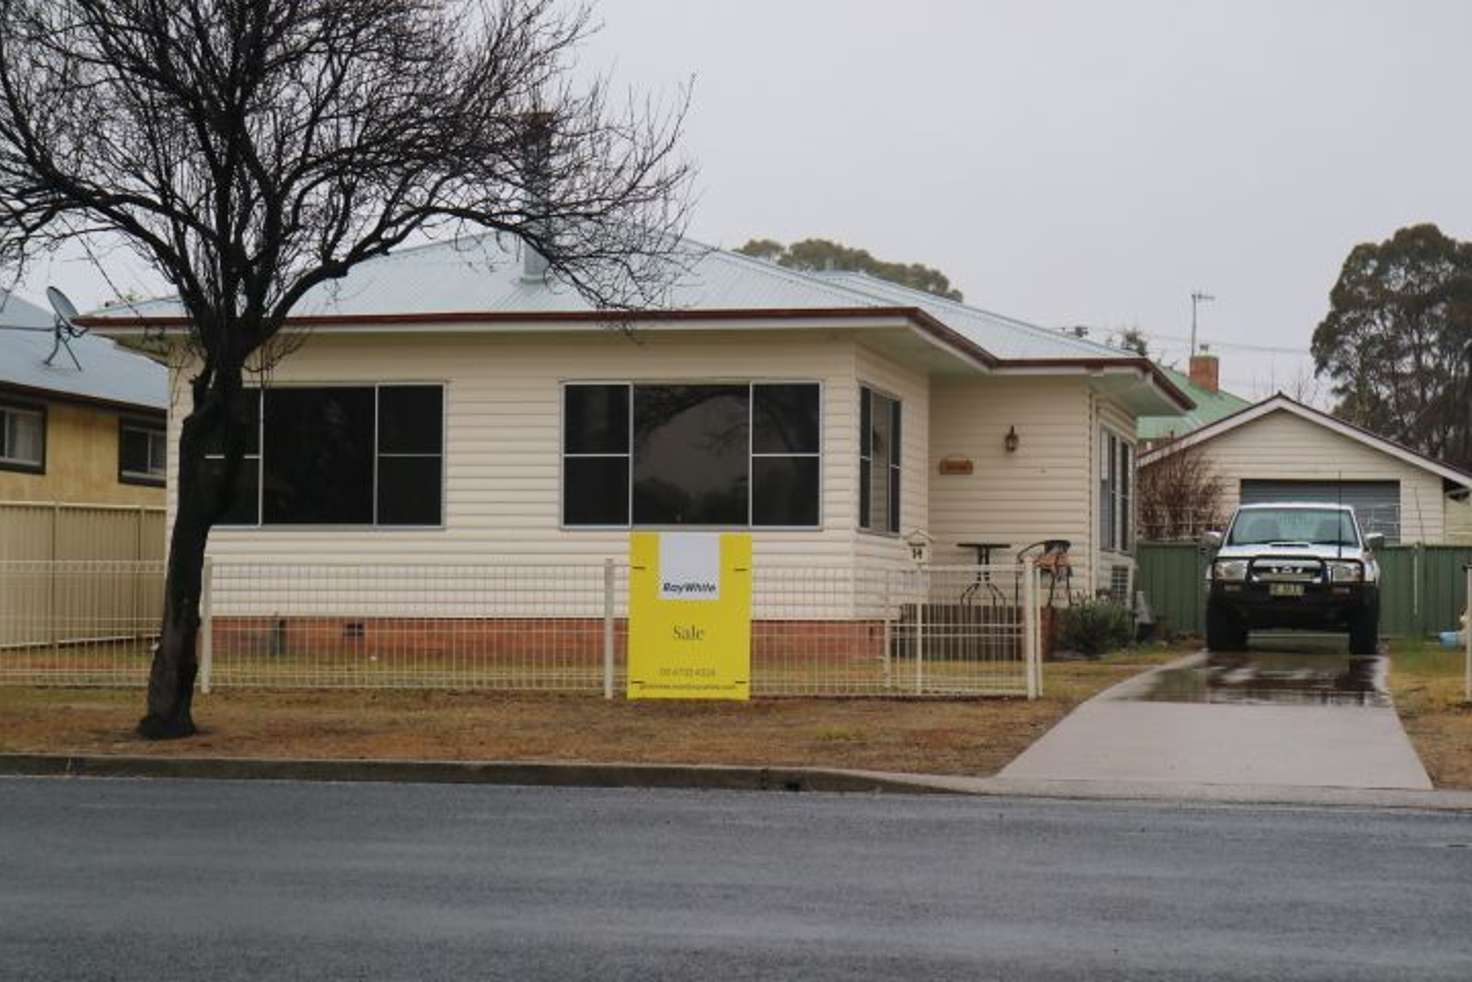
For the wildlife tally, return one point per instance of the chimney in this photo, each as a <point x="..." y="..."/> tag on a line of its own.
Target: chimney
<point x="536" y="148"/>
<point x="1205" y="372"/>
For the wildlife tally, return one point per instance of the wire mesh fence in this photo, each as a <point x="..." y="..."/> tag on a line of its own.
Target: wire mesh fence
<point x="816" y="631"/>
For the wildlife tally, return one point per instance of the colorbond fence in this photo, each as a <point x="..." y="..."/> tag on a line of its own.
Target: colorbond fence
<point x="37" y="531"/>
<point x="1423" y="588"/>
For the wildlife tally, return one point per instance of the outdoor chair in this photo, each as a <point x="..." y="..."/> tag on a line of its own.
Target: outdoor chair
<point x="1052" y="560"/>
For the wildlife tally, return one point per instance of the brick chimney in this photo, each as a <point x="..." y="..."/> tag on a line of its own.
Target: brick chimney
<point x="1205" y="372"/>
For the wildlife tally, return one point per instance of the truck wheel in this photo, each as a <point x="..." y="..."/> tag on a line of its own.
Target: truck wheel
<point x="1364" y="630"/>
<point x="1221" y="633"/>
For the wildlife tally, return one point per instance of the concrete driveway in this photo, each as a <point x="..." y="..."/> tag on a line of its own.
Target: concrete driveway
<point x="1294" y="710"/>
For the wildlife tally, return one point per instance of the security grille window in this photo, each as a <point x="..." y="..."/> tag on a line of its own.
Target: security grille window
<point x="22" y="438"/>
<point x="879" y="462"/>
<point x="1116" y="481"/>
<point x="744" y="454"/>
<point x="141" y="452"/>
<point x="341" y="455"/>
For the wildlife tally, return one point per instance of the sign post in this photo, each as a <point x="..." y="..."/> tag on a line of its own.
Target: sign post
<point x="689" y="615"/>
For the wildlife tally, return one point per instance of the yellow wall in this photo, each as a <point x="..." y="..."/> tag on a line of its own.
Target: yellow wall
<point x="81" y="462"/>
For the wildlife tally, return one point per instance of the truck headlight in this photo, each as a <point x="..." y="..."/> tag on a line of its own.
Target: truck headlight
<point x="1346" y="573"/>
<point x="1230" y="570"/>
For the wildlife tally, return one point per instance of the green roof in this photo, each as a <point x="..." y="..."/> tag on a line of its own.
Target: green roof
<point x="1210" y="407"/>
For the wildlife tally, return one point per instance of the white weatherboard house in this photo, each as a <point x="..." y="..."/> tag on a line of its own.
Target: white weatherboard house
<point x="1282" y="450"/>
<point x="443" y="411"/>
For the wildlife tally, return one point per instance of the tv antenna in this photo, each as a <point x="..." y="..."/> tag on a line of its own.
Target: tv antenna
<point x="64" y="328"/>
<point x="1198" y="297"/>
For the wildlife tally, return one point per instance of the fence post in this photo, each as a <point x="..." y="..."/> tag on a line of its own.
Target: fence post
<point x="608" y="586"/>
<point x="1467" y="639"/>
<point x="1031" y="654"/>
<point x="206" y="627"/>
<point x="922" y="593"/>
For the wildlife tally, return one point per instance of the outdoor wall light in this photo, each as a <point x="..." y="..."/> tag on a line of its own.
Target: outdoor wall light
<point x="1011" y="440"/>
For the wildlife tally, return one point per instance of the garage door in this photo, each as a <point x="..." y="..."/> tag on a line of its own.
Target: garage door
<point x="1376" y="503"/>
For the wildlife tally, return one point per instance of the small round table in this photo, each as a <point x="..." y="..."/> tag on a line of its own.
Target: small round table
<point x="984" y="552"/>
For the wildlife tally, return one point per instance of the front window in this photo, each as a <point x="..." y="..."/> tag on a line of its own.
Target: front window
<point x="22" y="438"/>
<point x="1116" y="481"/>
<point x="704" y="454"/>
<point x="1293" y="526"/>
<point x="141" y="452"/>
<point x="340" y="455"/>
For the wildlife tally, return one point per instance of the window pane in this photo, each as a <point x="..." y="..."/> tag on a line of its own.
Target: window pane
<point x="158" y="449"/>
<point x="410" y="419"/>
<point x="894" y="436"/>
<point x="596" y="419"/>
<point x="691" y="453"/>
<point x="894" y="499"/>
<point x="595" y="491"/>
<point x="409" y="490"/>
<point x="880" y="441"/>
<point x="784" y="419"/>
<point x="250" y="420"/>
<point x="22" y="436"/>
<point x="244" y="507"/>
<point x="865" y="414"/>
<point x="864" y="497"/>
<point x="784" y="491"/>
<point x="133" y="450"/>
<point x="319" y="456"/>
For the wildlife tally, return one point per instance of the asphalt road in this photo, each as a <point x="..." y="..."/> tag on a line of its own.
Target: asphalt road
<point x="159" y="880"/>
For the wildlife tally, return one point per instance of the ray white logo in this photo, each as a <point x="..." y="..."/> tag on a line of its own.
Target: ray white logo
<point x="690" y="566"/>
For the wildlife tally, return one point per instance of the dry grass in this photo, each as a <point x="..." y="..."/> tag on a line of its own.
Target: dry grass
<point x="975" y="737"/>
<point x="1427" y="683"/>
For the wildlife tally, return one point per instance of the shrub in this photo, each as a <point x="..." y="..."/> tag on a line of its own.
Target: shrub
<point x="1095" y="627"/>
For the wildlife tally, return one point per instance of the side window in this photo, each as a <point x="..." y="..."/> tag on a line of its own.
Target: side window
<point x="879" y="461"/>
<point x="22" y="438"/>
<point x="141" y="452"/>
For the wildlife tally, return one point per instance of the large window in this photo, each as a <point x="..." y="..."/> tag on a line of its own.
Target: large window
<point x="341" y="455"/>
<point x="140" y="452"/>
<point x="702" y="454"/>
<point x="22" y="438"/>
<point x="1116" y="478"/>
<point x="879" y="462"/>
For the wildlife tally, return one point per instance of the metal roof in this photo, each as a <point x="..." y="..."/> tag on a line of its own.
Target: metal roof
<point x="483" y="274"/>
<point x="109" y="373"/>
<point x="1210" y="407"/>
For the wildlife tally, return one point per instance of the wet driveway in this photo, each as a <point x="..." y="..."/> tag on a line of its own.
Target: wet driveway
<point x="1280" y="670"/>
<point x="1292" y="710"/>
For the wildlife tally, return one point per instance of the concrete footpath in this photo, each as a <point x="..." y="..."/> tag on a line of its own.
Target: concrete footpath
<point x="713" y="777"/>
<point x="1119" y="738"/>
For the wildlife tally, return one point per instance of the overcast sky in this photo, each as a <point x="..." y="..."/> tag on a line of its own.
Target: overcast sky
<point x="1067" y="163"/>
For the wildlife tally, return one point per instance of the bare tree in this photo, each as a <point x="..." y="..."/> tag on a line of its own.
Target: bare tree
<point x="251" y="150"/>
<point x="1181" y="496"/>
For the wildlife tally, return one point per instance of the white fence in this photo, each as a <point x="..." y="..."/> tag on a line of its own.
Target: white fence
<point x="816" y="631"/>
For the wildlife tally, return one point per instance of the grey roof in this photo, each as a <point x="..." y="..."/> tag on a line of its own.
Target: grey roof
<point x="483" y="274"/>
<point x="109" y="372"/>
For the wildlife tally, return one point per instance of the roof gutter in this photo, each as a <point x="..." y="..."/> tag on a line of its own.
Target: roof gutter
<point x="925" y="322"/>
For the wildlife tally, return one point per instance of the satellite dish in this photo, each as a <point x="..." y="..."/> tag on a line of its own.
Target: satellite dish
<point x="64" y="327"/>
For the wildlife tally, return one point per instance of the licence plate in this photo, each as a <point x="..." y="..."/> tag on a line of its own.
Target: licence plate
<point x="1285" y="589"/>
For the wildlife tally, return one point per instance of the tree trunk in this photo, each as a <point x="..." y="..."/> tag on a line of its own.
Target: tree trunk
<point x="200" y="500"/>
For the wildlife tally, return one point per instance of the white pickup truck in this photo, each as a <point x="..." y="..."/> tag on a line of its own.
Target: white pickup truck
<point x="1293" y="565"/>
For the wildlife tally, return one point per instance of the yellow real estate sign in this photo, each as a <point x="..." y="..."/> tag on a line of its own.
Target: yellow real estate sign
<point x="689" y="615"/>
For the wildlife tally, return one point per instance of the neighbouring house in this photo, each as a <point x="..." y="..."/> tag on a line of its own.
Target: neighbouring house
<point x="1203" y="388"/>
<point x="1282" y="450"/>
<point x="438" y="410"/>
<point x="90" y="435"/>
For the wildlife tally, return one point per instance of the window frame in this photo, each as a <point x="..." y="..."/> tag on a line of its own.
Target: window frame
<point x="1116" y="497"/>
<point x="895" y="487"/>
<point x="25" y="407"/>
<point x="629" y="385"/>
<point x="261" y="454"/>
<point x="151" y="427"/>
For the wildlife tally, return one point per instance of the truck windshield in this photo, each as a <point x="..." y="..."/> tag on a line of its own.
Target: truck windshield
<point x="1312" y="526"/>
